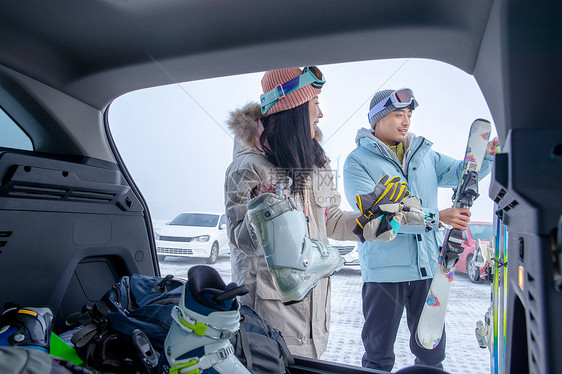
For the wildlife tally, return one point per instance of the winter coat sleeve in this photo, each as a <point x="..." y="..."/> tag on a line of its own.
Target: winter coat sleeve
<point x="237" y="185"/>
<point x="339" y="224"/>
<point x="356" y="180"/>
<point x="448" y="170"/>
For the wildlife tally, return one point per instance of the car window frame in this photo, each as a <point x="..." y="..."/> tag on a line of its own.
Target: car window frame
<point x="16" y="125"/>
<point x="472" y="236"/>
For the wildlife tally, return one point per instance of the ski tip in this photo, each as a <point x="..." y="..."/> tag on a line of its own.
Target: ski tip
<point x="482" y="120"/>
<point x="429" y="344"/>
<point x="418" y="341"/>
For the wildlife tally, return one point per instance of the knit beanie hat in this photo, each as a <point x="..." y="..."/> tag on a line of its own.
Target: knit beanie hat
<point x="380" y="96"/>
<point x="274" y="78"/>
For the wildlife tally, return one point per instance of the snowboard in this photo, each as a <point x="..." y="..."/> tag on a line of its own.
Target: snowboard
<point x="432" y="319"/>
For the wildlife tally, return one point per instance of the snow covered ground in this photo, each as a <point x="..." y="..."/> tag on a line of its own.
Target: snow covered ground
<point x="467" y="304"/>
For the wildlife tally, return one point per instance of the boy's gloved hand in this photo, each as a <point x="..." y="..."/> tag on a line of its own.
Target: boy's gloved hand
<point x="386" y="226"/>
<point x="385" y="198"/>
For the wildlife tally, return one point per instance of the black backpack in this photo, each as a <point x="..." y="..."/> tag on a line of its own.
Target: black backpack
<point x="125" y="331"/>
<point x="259" y="346"/>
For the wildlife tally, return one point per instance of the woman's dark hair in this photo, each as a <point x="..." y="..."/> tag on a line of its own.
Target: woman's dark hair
<point x="288" y="145"/>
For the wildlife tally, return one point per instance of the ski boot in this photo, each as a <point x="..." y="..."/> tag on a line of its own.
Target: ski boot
<point x="295" y="262"/>
<point x="205" y="319"/>
<point x="28" y="327"/>
<point x="484" y="330"/>
<point x="479" y="257"/>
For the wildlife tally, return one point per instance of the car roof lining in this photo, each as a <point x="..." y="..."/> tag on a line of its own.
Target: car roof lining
<point x="118" y="46"/>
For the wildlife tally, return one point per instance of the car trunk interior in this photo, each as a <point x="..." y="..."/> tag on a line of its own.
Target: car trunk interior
<point x="72" y="220"/>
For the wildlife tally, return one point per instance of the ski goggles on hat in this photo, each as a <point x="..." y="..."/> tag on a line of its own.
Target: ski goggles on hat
<point x="310" y="75"/>
<point x="399" y="99"/>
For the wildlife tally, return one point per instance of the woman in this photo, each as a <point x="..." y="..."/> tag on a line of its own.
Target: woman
<point x="277" y="140"/>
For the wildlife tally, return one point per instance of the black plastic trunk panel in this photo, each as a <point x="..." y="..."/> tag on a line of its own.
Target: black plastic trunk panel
<point x="68" y="230"/>
<point x="305" y="365"/>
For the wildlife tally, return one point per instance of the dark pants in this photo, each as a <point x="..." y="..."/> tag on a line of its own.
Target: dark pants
<point x="383" y="305"/>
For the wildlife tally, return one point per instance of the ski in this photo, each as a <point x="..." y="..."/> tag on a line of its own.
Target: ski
<point x="499" y="298"/>
<point x="432" y="319"/>
<point x="491" y="332"/>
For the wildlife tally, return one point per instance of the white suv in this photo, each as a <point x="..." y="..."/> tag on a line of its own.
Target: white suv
<point x="193" y="234"/>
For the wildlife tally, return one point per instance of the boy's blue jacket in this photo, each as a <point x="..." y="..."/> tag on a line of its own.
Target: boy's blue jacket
<point x="408" y="257"/>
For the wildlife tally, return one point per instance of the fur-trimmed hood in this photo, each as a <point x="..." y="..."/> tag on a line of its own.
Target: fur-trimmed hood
<point x="243" y="122"/>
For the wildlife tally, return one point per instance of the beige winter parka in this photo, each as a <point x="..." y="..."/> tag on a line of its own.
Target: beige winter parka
<point x="304" y="325"/>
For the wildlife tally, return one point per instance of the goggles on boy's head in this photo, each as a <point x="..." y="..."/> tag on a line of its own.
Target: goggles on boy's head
<point x="401" y="98"/>
<point x="310" y="75"/>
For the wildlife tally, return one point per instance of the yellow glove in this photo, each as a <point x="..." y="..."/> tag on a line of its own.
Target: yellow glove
<point x="385" y="198"/>
<point x="385" y="228"/>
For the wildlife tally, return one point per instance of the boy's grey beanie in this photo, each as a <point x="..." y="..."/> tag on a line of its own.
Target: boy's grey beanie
<point x="380" y="96"/>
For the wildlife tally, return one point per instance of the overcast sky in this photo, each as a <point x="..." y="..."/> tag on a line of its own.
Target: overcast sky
<point x="175" y="143"/>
